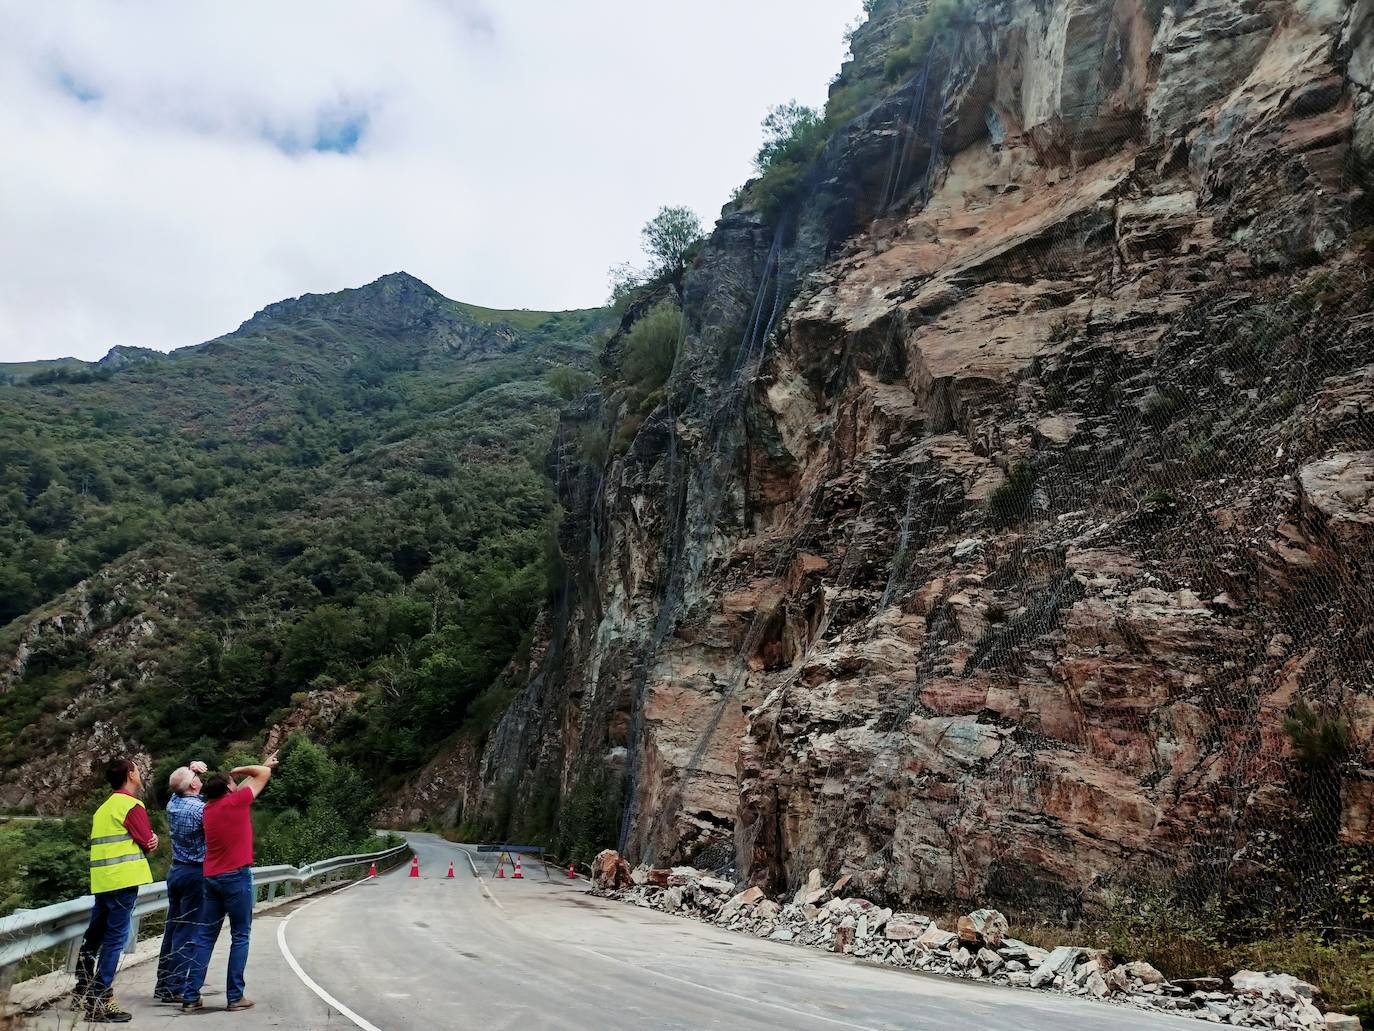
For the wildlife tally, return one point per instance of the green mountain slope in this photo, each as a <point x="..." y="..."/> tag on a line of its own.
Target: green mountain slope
<point x="14" y="372"/>
<point x="345" y="496"/>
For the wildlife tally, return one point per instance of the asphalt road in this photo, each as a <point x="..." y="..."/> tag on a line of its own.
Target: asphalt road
<point x="400" y="953"/>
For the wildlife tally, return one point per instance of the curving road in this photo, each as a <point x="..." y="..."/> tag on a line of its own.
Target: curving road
<point x="478" y="952"/>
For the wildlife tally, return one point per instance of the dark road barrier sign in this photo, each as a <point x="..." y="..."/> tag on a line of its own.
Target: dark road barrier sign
<point x="504" y="853"/>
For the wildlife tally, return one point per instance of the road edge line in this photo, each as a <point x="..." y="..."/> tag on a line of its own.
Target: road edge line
<point x="308" y="981"/>
<point x="480" y="883"/>
<point x="468" y="855"/>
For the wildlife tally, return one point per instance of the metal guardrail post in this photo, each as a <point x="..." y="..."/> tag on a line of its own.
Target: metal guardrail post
<point x="7" y="974"/>
<point x="130" y="945"/>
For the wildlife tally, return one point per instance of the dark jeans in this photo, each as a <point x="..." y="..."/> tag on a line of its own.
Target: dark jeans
<point x="226" y="894"/>
<point x="185" y="892"/>
<point x="105" y="937"/>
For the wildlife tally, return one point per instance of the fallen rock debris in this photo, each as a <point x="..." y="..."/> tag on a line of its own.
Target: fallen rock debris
<point x="979" y="947"/>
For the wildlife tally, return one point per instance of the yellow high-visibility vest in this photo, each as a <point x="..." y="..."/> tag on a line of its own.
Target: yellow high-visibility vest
<point x="116" y="860"/>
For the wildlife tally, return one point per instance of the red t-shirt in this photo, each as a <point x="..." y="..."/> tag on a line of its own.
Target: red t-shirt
<point x="228" y="833"/>
<point x="136" y="823"/>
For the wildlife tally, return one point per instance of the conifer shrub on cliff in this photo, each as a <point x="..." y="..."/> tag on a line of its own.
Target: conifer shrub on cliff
<point x="1012" y="499"/>
<point x="940" y="15"/>
<point x="650" y="349"/>
<point x="793" y="134"/>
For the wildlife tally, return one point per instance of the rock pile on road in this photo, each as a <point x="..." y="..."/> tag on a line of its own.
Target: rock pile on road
<point x="977" y="947"/>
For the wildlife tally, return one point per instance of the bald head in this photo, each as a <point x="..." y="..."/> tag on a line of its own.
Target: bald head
<point x="183" y="781"/>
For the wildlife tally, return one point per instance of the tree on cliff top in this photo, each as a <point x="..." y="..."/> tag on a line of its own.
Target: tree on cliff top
<point x="669" y="238"/>
<point x="791" y="132"/>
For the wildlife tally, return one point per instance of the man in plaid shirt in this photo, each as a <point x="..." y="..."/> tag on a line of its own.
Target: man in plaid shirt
<point x="185" y="881"/>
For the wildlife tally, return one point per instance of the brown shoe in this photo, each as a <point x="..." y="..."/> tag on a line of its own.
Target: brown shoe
<point x="240" y="1004"/>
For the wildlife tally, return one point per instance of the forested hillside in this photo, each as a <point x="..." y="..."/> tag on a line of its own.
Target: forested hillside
<point x="337" y="516"/>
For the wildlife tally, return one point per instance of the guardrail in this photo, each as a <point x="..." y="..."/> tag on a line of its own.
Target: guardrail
<point x="32" y="931"/>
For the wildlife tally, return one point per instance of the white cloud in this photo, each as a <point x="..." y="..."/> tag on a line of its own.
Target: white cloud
<point x="159" y="183"/>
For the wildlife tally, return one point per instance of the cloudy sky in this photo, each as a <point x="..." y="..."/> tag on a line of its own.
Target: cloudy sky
<point x="171" y="166"/>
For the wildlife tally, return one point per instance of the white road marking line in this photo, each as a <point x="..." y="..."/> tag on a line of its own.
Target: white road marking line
<point x="306" y="978"/>
<point x="481" y="883"/>
<point x="490" y="895"/>
<point x="471" y="863"/>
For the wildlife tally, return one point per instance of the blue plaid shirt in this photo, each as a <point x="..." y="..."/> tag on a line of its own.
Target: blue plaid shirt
<point x="185" y="814"/>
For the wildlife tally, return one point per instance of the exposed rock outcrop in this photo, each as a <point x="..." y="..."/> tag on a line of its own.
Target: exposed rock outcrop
<point x="444" y="790"/>
<point x="116" y="620"/>
<point x="990" y="563"/>
<point x="313" y="715"/>
<point x="55" y="784"/>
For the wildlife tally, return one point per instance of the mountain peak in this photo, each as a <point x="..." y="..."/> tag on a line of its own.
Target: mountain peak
<point x="399" y="278"/>
<point x="393" y="300"/>
<point x="397" y="284"/>
<point x="121" y="355"/>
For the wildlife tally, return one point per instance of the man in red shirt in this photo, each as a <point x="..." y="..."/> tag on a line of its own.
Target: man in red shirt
<point x="228" y="878"/>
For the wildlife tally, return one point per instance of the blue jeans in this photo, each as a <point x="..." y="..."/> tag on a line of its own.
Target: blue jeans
<point x="185" y="891"/>
<point x="105" y="937"/>
<point x="226" y="894"/>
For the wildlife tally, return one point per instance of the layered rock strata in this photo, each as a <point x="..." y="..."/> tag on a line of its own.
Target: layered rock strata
<point x="994" y="523"/>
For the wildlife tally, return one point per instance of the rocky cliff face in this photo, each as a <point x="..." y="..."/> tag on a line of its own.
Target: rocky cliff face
<point x="1009" y="494"/>
<point x="121" y="619"/>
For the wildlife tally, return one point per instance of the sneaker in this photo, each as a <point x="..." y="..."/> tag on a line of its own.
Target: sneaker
<point x="81" y="996"/>
<point x="187" y="1006"/>
<point x="107" y="1011"/>
<point x="240" y="1004"/>
<point x="165" y="996"/>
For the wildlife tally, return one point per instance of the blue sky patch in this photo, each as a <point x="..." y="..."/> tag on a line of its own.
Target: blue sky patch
<point x="76" y="89"/>
<point x="340" y="135"/>
<point x="334" y="132"/>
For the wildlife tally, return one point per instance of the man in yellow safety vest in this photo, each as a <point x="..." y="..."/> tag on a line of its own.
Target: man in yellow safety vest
<point x="122" y="838"/>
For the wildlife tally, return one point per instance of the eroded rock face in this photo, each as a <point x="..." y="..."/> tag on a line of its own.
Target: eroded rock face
<point x="445" y="789"/>
<point x="45" y="785"/>
<point x="116" y="622"/>
<point x="994" y="569"/>
<point x="1341" y="489"/>
<point x="1359" y="39"/>
<point x="312" y="715"/>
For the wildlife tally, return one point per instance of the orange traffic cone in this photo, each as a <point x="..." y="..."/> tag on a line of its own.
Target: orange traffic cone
<point x="501" y="869"/>
<point x="372" y="870"/>
<point x="415" y="866"/>
<point x="572" y="874"/>
<point x="450" y="869"/>
<point x="517" y="875"/>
